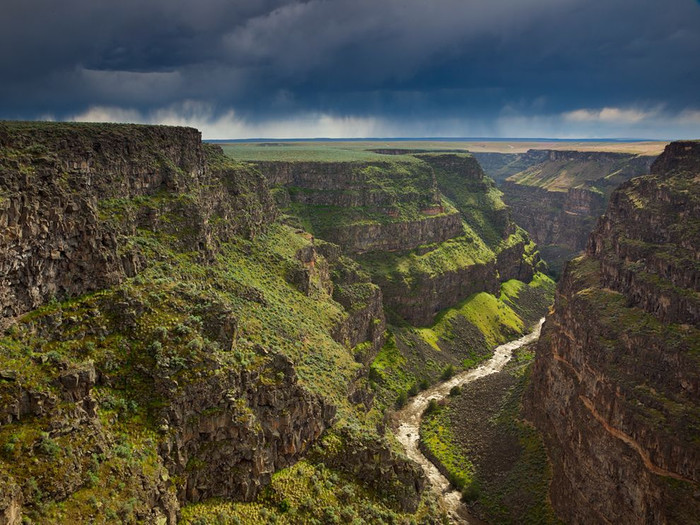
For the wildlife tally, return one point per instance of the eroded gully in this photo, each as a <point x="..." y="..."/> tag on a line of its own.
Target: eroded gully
<point x="408" y="419"/>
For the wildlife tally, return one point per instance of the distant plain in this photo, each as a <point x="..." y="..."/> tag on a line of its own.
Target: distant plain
<point x="313" y="150"/>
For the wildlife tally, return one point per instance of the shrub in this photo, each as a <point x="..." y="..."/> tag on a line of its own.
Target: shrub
<point x="122" y="450"/>
<point x="448" y="372"/>
<point x="401" y="400"/>
<point x="155" y="348"/>
<point x="161" y="333"/>
<point x="455" y="391"/>
<point x="346" y="494"/>
<point x="431" y="408"/>
<point x="195" y="345"/>
<point x="413" y="390"/>
<point x="471" y="492"/>
<point x="424" y="384"/>
<point x="92" y="479"/>
<point x="458" y="480"/>
<point x="48" y="446"/>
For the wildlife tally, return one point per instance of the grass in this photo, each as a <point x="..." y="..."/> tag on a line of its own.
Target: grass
<point x="306" y="493"/>
<point x="460" y="337"/>
<point x="323" y="220"/>
<point x="389" y="368"/>
<point x="518" y="491"/>
<point x="600" y="173"/>
<point x="300" y="152"/>
<point x="427" y="261"/>
<point x="492" y="317"/>
<point x="437" y="438"/>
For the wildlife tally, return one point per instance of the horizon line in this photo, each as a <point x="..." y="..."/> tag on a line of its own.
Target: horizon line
<point x="438" y="139"/>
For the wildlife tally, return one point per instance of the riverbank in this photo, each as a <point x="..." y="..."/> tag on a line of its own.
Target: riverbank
<point x="408" y="420"/>
<point x="480" y="440"/>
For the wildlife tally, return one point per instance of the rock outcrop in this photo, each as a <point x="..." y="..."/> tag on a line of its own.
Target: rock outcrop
<point x="362" y="300"/>
<point x="10" y="503"/>
<point x="396" y="236"/>
<point x="615" y="386"/>
<point x="74" y="437"/>
<point x="655" y="262"/>
<point x="230" y="431"/>
<point x="421" y="299"/>
<point x="389" y="474"/>
<point x="351" y="184"/>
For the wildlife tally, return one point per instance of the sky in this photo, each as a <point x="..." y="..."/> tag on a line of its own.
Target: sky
<point x="359" y="68"/>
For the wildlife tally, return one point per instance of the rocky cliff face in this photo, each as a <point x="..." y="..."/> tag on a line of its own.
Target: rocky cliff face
<point x="229" y="432"/>
<point x="655" y="263"/>
<point x="351" y="184"/>
<point x="615" y="385"/>
<point x="222" y="433"/>
<point x="500" y="166"/>
<point x="557" y="196"/>
<point x="165" y="340"/>
<point x="560" y="222"/>
<point x="419" y="301"/>
<point x="60" y="187"/>
<point x="365" y="206"/>
<point x="396" y="236"/>
<point x="441" y="251"/>
<point x="461" y="179"/>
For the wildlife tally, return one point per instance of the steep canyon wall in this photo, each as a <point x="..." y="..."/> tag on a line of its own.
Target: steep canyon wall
<point x="615" y="386"/>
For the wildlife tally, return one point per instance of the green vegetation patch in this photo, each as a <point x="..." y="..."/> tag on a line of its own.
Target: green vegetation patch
<point x="438" y="442"/>
<point x="597" y="172"/>
<point x="493" y="318"/>
<point x="461" y="337"/>
<point x="495" y="458"/>
<point x="307" y="493"/>
<point x="429" y="260"/>
<point x="301" y="152"/>
<point x="326" y="220"/>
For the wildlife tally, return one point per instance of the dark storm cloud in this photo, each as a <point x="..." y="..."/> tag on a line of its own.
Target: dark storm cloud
<point x="400" y="60"/>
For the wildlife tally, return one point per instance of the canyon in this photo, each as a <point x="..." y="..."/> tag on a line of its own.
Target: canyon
<point x="199" y="333"/>
<point x="558" y="195"/>
<point x="183" y="329"/>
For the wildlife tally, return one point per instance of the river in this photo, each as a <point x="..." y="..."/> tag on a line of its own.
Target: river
<point x="408" y="421"/>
